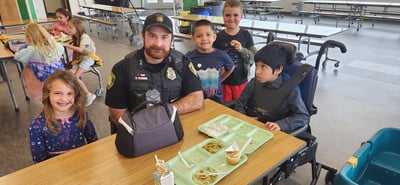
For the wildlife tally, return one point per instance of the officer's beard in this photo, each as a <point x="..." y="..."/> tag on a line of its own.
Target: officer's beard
<point x="156" y="52"/>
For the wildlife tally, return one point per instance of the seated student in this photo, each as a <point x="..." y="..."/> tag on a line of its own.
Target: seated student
<point x="42" y="57"/>
<point x="212" y="65"/>
<point x="84" y="54"/>
<point x="258" y="98"/>
<point x="61" y="26"/>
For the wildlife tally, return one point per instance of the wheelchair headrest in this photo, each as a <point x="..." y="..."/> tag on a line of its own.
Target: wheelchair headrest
<point x="307" y="86"/>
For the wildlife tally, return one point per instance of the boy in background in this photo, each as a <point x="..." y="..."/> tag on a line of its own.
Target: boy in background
<point x="239" y="45"/>
<point x="212" y="65"/>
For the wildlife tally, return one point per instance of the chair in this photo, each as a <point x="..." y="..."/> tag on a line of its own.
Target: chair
<point x="308" y="154"/>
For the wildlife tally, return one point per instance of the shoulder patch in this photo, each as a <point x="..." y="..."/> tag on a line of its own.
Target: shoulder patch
<point x="111" y="80"/>
<point x="193" y="70"/>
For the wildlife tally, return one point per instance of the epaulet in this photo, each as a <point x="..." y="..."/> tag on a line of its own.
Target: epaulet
<point x="176" y="59"/>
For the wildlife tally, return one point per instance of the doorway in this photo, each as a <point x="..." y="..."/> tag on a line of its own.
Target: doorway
<point x="52" y="5"/>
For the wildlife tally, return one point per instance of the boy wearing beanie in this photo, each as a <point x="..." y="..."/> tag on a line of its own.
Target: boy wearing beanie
<point x="263" y="99"/>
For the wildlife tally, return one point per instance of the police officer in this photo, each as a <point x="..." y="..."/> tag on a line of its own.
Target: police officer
<point x="155" y="73"/>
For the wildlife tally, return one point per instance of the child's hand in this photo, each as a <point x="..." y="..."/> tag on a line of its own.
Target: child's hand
<point x="236" y="44"/>
<point x="65" y="44"/>
<point x="272" y="126"/>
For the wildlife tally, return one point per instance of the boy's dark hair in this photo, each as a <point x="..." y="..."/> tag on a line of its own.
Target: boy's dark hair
<point x="232" y="4"/>
<point x="203" y="22"/>
<point x="274" y="56"/>
<point x="65" y="12"/>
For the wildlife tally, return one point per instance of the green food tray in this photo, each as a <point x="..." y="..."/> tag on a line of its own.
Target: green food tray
<point x="239" y="131"/>
<point x="202" y="159"/>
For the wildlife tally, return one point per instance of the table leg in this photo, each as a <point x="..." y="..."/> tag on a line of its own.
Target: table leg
<point x="10" y="87"/>
<point x="20" y="67"/>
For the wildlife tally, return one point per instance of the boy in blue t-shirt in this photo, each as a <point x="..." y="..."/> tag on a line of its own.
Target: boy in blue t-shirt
<point x="212" y="65"/>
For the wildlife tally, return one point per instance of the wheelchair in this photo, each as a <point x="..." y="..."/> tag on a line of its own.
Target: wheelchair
<point x="307" y="87"/>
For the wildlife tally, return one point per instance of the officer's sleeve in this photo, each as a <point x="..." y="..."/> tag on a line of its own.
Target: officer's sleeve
<point x="191" y="81"/>
<point x="117" y="88"/>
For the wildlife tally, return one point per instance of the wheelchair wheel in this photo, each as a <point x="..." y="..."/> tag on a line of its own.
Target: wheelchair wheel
<point x="330" y="177"/>
<point x="337" y="64"/>
<point x="99" y="92"/>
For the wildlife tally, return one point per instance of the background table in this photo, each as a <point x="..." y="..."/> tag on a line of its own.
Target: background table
<point x="7" y="56"/>
<point x="100" y="163"/>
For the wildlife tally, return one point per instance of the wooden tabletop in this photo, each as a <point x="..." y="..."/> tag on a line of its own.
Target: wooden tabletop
<point x="100" y="163"/>
<point x="115" y="9"/>
<point x="6" y="53"/>
<point x="27" y="21"/>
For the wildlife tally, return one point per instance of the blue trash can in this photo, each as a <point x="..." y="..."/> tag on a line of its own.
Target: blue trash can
<point x="216" y="7"/>
<point x="200" y="10"/>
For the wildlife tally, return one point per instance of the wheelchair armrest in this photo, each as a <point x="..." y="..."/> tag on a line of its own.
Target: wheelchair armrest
<point x="298" y="131"/>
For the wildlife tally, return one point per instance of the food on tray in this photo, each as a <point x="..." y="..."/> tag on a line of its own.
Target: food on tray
<point x="216" y="130"/>
<point x="232" y="153"/>
<point x="198" y="178"/>
<point x="213" y="147"/>
<point x="232" y="157"/>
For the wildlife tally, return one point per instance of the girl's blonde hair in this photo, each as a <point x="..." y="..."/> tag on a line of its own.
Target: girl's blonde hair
<point x="38" y="37"/>
<point x="71" y="81"/>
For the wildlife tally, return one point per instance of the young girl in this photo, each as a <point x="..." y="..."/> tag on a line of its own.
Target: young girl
<point x="42" y="56"/>
<point x="84" y="54"/>
<point x="62" y="16"/>
<point x="62" y="124"/>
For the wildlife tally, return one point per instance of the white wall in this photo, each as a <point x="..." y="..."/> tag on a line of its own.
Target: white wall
<point x="75" y="5"/>
<point x="40" y="10"/>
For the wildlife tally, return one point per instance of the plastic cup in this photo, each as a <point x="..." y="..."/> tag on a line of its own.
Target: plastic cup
<point x="232" y="157"/>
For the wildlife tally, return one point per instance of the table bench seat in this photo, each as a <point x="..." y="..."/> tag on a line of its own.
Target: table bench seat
<point x="315" y="15"/>
<point x="263" y="11"/>
<point x="112" y="24"/>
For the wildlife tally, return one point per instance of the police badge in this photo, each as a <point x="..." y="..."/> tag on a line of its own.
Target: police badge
<point x="171" y="73"/>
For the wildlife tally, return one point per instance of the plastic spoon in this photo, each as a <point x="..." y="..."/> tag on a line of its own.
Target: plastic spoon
<point x="184" y="161"/>
<point x="245" y="146"/>
<point x="202" y="175"/>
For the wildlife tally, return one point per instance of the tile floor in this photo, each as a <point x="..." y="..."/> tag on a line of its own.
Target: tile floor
<point x="354" y="100"/>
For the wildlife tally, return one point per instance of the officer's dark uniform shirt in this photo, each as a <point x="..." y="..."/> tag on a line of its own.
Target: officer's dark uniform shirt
<point x="293" y="113"/>
<point x="133" y="77"/>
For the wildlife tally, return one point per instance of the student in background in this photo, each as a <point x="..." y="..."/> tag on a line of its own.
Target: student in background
<point x="61" y="26"/>
<point x="212" y="65"/>
<point x="286" y="114"/>
<point x="84" y="55"/>
<point x="42" y="57"/>
<point x="63" y="124"/>
<point x="239" y="45"/>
